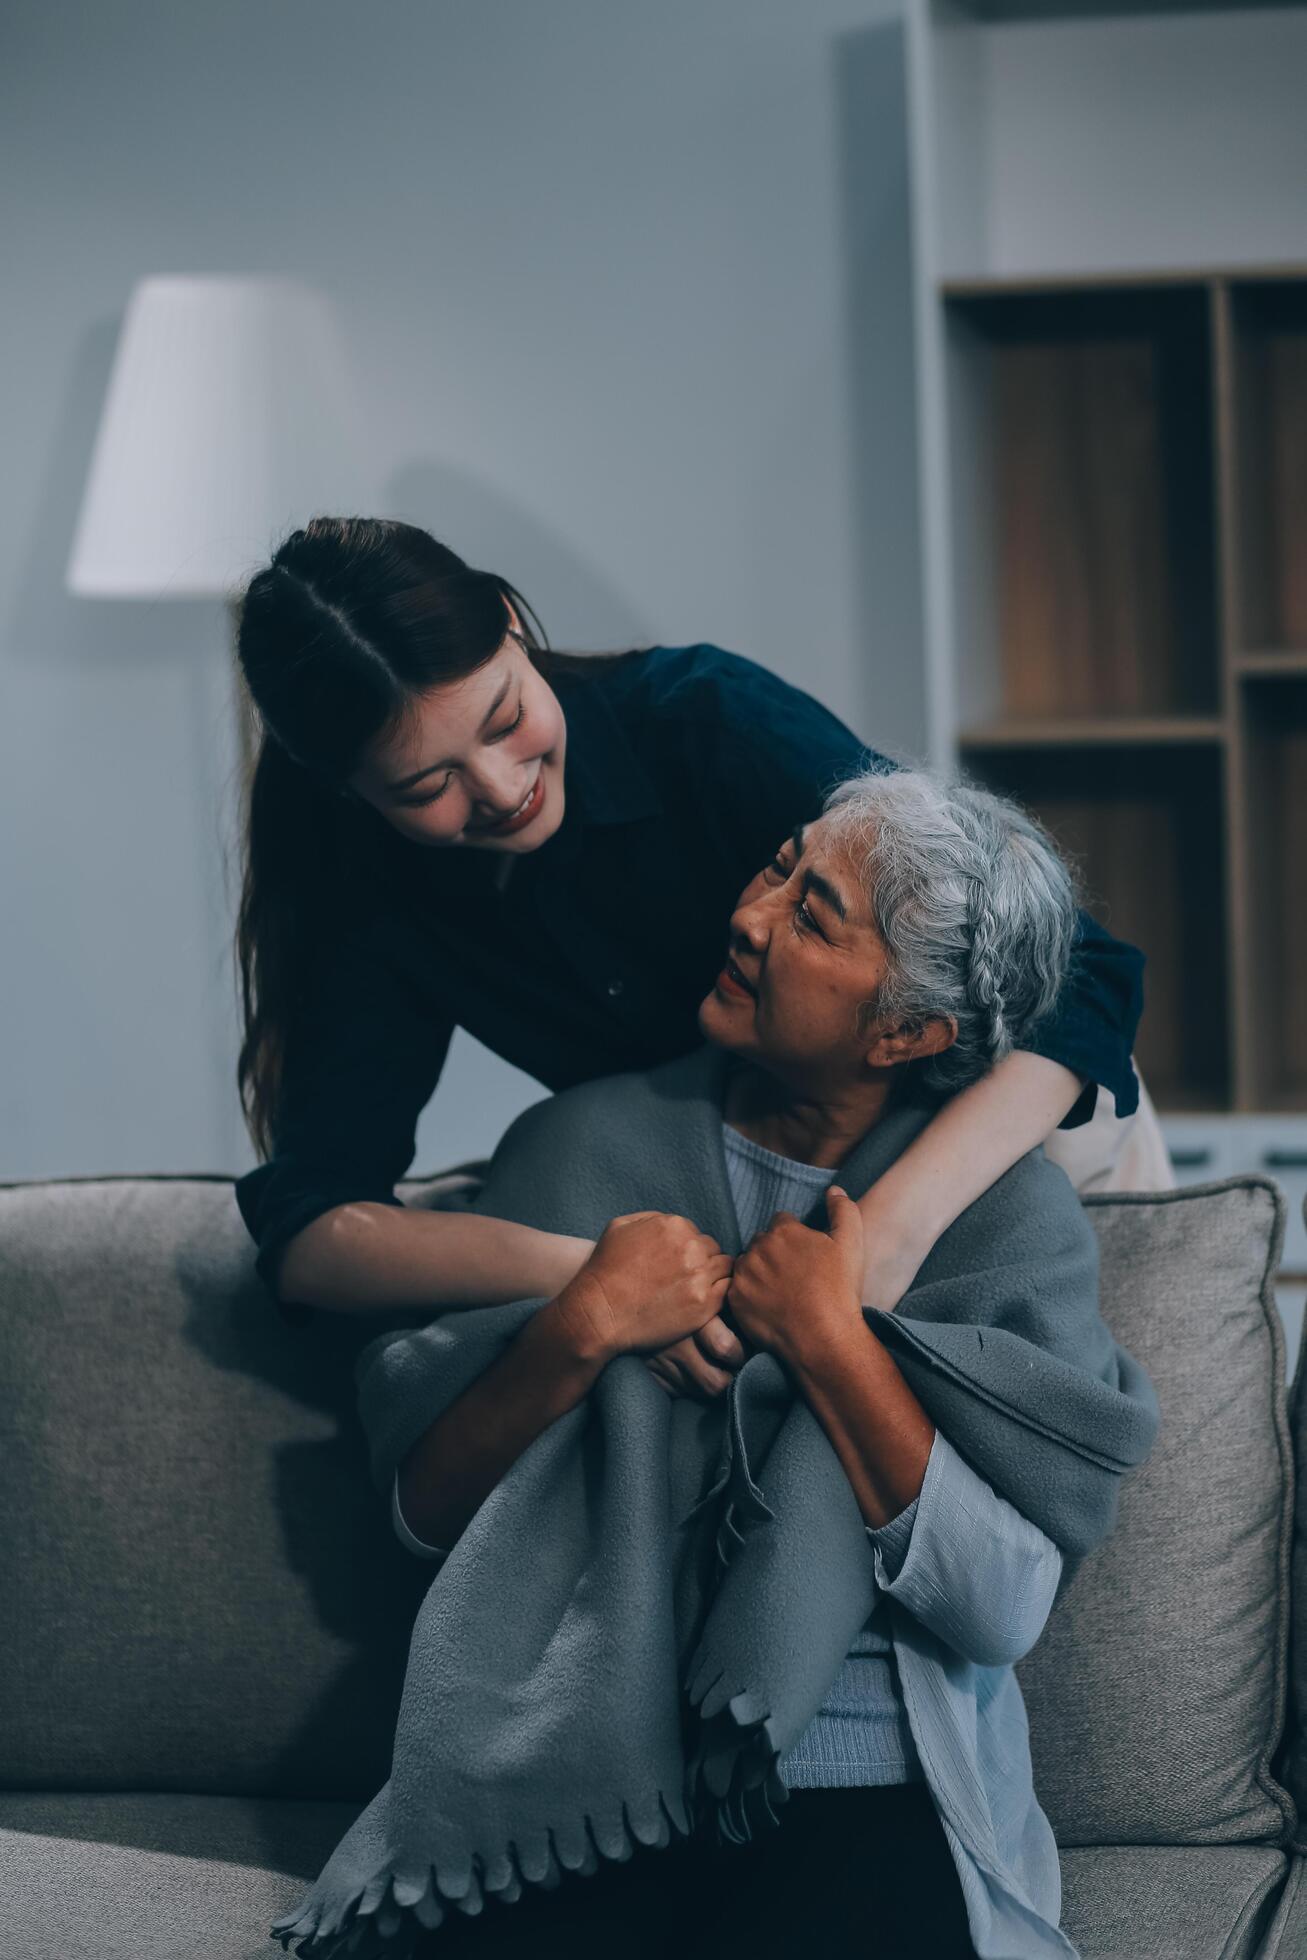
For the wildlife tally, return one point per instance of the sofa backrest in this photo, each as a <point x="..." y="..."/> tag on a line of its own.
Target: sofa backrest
<point x="1157" y="1692"/>
<point x="203" y="1591"/>
<point x="1294" y="1765"/>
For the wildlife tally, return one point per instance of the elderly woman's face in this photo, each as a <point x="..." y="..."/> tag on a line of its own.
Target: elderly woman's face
<point x="804" y="954"/>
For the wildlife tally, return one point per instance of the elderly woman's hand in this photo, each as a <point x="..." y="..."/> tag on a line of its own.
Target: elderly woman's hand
<point x="793" y="1283"/>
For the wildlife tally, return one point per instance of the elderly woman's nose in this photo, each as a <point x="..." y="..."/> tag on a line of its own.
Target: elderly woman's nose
<point x="749" y="922"/>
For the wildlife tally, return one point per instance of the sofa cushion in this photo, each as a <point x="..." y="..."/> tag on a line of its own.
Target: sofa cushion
<point x="202" y="1589"/>
<point x="1164" y="1902"/>
<point x="1286" y="1936"/>
<point x="155" y="1877"/>
<point x="1156" y="1695"/>
<point x="74" y="1871"/>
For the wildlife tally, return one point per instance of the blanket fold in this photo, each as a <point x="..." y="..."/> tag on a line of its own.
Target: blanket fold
<point x="650" y="1607"/>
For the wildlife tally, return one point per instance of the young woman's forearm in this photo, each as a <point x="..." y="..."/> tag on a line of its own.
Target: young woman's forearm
<point x="977" y="1135"/>
<point x="365" y="1256"/>
<point x="549" y="1366"/>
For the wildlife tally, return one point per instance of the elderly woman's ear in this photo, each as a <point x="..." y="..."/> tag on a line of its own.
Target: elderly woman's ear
<point x="910" y="1040"/>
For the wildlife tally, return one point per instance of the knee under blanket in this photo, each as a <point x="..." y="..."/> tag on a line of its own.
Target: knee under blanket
<point x="650" y="1606"/>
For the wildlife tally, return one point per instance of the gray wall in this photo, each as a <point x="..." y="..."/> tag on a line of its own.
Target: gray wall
<point x="628" y="291"/>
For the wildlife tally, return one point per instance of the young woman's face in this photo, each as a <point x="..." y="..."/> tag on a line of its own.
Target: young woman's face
<point x="475" y="753"/>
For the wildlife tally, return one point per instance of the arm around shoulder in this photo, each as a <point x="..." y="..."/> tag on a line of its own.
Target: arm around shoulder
<point x="362" y="1256"/>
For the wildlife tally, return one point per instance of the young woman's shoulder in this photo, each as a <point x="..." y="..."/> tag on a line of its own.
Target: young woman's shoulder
<point x="704" y="684"/>
<point x="751" y="753"/>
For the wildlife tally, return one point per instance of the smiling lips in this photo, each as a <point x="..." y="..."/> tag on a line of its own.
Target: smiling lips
<point x="731" y="981"/>
<point x="523" y="814"/>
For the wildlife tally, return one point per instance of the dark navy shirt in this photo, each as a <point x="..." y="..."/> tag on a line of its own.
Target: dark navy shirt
<point x="685" y="770"/>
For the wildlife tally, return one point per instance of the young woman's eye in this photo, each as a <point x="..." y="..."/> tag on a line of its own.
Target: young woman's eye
<point x="421" y="802"/>
<point x="781" y="870"/>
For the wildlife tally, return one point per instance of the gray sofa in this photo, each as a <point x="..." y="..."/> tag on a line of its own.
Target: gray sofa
<point x="206" y="1613"/>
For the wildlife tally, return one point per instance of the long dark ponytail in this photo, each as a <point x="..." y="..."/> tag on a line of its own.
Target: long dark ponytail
<point x="353" y="618"/>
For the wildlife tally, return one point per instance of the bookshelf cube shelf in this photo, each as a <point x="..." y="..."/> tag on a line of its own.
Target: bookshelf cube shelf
<point x="1273" y="735"/>
<point x="1143" y="824"/>
<point x="1268" y="381"/>
<point x="1089" y="418"/>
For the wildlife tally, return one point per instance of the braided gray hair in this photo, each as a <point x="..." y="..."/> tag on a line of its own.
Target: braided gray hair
<point x="975" y="906"/>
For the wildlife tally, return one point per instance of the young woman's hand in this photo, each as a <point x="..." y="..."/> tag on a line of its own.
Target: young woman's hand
<point x="702" y="1364"/>
<point x="652" y="1279"/>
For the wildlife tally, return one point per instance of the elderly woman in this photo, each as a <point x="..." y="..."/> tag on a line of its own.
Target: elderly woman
<point x="662" y="1625"/>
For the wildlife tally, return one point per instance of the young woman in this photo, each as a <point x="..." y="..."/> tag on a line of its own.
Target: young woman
<point x="442" y="813"/>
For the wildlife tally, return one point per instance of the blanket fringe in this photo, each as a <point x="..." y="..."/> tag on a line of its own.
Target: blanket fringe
<point x="732" y="1779"/>
<point x="390" y="1910"/>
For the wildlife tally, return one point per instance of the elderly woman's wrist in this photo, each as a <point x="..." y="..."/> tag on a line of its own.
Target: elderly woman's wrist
<point x="579" y="1324"/>
<point x="819" y="1345"/>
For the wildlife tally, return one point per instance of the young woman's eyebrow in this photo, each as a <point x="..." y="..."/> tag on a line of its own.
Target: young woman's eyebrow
<point x="407" y="782"/>
<point x="814" y="882"/>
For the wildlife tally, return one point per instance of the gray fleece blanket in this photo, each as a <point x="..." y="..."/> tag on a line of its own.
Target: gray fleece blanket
<point x="651" y="1605"/>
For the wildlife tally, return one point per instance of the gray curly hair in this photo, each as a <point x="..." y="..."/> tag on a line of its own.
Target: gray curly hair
<point x="975" y="906"/>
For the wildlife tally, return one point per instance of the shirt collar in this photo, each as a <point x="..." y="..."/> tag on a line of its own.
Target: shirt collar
<point x="604" y="779"/>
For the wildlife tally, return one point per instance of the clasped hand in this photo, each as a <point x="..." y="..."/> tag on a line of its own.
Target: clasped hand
<point x="657" y="1286"/>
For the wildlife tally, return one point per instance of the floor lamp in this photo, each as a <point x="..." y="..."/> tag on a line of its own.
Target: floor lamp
<point x="230" y="418"/>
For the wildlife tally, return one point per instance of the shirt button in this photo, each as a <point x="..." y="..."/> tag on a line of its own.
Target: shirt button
<point x="614" y="989"/>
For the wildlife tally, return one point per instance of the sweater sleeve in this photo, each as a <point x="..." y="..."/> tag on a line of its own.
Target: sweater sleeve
<point x="976" y="1572"/>
<point x="1092" y="1029"/>
<point x="892" y="1539"/>
<point x="364" y="1060"/>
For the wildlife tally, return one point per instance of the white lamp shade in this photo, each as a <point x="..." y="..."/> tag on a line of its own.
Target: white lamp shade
<point x="230" y="418"/>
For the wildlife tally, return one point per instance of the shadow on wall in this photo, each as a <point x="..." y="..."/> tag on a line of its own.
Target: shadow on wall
<point x="49" y="624"/>
<point x="577" y="606"/>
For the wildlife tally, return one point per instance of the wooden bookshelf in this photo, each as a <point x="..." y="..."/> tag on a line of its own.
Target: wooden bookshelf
<point x="1112" y="412"/>
<point x="1109" y="251"/>
<point x="1089" y="731"/>
<point x="1136" y="464"/>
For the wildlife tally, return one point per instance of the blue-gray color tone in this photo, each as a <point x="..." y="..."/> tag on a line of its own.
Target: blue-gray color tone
<point x="519" y="214"/>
